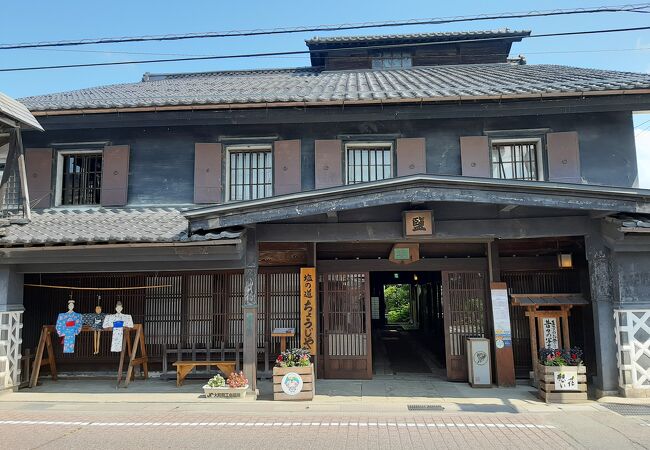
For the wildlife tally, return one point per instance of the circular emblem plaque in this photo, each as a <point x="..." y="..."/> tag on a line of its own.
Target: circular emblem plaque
<point x="291" y="383"/>
<point x="500" y="343"/>
<point x="480" y="358"/>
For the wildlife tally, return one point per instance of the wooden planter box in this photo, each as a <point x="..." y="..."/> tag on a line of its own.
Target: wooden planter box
<point x="225" y="391"/>
<point x="308" y="382"/>
<point x="547" y="389"/>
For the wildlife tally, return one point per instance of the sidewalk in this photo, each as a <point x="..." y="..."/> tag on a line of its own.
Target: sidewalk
<point x="389" y="394"/>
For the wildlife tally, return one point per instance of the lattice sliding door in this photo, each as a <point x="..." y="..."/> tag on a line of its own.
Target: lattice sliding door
<point x="346" y="325"/>
<point x="464" y="309"/>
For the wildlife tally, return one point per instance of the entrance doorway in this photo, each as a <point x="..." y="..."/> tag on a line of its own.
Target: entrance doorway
<point x="407" y="323"/>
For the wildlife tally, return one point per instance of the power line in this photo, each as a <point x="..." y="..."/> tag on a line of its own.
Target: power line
<point x="303" y="52"/>
<point x="119" y="52"/>
<point x="633" y="8"/>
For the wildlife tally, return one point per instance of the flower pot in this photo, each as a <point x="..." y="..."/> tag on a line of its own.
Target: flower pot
<point x="293" y="383"/>
<point x="225" y="391"/>
<point x="562" y="384"/>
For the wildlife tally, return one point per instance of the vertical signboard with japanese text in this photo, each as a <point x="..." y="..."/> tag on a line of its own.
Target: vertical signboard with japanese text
<point x="551" y="338"/>
<point x="308" y="309"/>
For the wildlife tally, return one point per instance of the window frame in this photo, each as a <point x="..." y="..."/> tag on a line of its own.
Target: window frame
<point x="365" y="144"/>
<point x="58" y="191"/>
<point x="381" y="56"/>
<point x="539" y="154"/>
<point x="250" y="148"/>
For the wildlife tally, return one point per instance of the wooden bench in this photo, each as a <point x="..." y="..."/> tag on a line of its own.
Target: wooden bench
<point x="183" y="368"/>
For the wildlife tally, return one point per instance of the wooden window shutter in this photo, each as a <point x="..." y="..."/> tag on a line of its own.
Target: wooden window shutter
<point x="286" y="167"/>
<point x="207" y="173"/>
<point x="475" y="156"/>
<point x="115" y="175"/>
<point x="38" y="167"/>
<point x="563" y="157"/>
<point x="411" y="156"/>
<point x="328" y="164"/>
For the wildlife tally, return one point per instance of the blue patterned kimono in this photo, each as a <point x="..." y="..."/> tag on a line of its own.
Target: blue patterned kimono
<point x="68" y="326"/>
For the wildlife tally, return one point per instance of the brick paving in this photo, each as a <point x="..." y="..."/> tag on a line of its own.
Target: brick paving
<point x="187" y="429"/>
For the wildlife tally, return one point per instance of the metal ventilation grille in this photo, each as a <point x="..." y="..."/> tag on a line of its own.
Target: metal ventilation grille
<point x="425" y="408"/>
<point x="629" y="410"/>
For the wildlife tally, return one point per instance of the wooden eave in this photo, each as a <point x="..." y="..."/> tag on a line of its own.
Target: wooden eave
<point x="421" y="188"/>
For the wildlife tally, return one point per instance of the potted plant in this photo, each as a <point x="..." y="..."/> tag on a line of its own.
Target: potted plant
<point x="562" y="375"/>
<point x="293" y="376"/>
<point x="235" y="386"/>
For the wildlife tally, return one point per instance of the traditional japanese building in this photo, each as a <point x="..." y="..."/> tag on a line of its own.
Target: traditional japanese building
<point x="433" y="161"/>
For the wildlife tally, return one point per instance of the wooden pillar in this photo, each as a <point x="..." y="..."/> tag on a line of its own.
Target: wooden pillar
<point x="249" y="308"/>
<point x="533" y="339"/>
<point x="504" y="362"/>
<point x="601" y="262"/>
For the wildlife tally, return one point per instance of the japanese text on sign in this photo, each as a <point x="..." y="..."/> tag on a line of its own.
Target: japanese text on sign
<point x="418" y="223"/>
<point x="566" y="379"/>
<point x="308" y="309"/>
<point x="551" y="340"/>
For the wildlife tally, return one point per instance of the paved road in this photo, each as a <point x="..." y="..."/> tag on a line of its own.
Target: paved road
<point x="134" y="426"/>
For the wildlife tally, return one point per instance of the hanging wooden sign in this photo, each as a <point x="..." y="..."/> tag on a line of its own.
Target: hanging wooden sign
<point x="308" y="309"/>
<point x="418" y="223"/>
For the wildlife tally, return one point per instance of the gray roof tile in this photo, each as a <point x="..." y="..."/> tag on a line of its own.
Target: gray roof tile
<point x="311" y="85"/>
<point x="428" y="37"/>
<point x="100" y="225"/>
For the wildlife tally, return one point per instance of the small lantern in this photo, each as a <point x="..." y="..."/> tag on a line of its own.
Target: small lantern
<point x="565" y="260"/>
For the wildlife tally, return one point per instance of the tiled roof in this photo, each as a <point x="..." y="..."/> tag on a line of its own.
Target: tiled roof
<point x="632" y="223"/>
<point x="429" y="37"/>
<point x="450" y="82"/>
<point x="17" y="111"/>
<point x="81" y="226"/>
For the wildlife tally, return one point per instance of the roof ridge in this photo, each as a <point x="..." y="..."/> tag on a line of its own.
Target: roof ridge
<point x="504" y="32"/>
<point x="148" y="76"/>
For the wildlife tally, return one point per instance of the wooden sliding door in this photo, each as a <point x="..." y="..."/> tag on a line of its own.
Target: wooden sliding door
<point x="464" y="310"/>
<point x="346" y="325"/>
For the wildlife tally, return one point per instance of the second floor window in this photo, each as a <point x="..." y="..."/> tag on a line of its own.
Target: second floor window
<point x="392" y="59"/>
<point x="368" y="162"/>
<point x="516" y="160"/>
<point x="81" y="178"/>
<point x="250" y="173"/>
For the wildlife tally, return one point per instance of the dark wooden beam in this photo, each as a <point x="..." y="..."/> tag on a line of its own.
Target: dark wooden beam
<point x="122" y="253"/>
<point x="385" y="265"/>
<point x="249" y="308"/>
<point x="444" y="230"/>
<point x="347" y="113"/>
<point x="128" y="266"/>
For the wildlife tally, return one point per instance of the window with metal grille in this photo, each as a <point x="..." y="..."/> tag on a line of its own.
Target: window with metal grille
<point x="81" y="180"/>
<point x="515" y="161"/>
<point x="250" y="173"/>
<point x="368" y="162"/>
<point x="391" y="59"/>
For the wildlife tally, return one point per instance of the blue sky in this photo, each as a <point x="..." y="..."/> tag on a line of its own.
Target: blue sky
<point x="73" y="19"/>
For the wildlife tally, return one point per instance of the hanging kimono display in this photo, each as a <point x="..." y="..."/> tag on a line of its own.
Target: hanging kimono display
<point x="118" y="322"/>
<point x="96" y="322"/>
<point x="68" y="326"/>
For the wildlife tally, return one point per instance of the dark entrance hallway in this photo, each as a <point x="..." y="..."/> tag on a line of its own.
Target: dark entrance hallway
<point x="407" y="322"/>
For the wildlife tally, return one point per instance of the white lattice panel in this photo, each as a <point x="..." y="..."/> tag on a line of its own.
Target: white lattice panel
<point x="10" y="340"/>
<point x="633" y="341"/>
